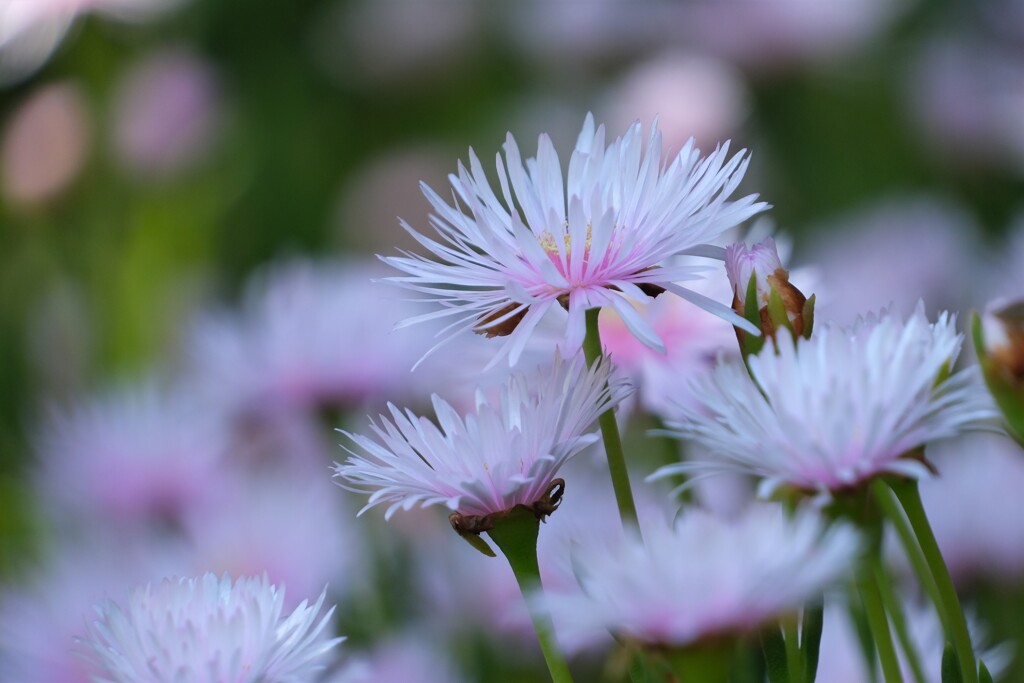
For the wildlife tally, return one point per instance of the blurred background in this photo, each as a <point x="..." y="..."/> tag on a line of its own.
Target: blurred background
<point x="192" y="192"/>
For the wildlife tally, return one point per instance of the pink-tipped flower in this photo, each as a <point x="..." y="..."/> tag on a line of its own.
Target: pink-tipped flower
<point x="833" y="411"/>
<point x="505" y="454"/>
<point x="209" y="629"/>
<point x="704" y="579"/>
<point x="598" y="237"/>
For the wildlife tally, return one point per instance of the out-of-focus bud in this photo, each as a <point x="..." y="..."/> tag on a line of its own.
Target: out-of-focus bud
<point x="763" y="294"/>
<point x="999" y="343"/>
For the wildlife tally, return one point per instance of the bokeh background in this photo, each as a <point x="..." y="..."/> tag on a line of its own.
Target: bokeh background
<point x="192" y="192"/>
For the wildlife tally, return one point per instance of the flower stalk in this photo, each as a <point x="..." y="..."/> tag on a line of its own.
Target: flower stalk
<point x="593" y="350"/>
<point x="949" y="603"/>
<point x="516" y="535"/>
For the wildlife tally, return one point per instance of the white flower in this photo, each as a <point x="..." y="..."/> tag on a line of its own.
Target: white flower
<point x="505" y="454"/>
<point x="209" y="630"/>
<point x="830" y="412"/>
<point x="599" y="237"/>
<point x="704" y="578"/>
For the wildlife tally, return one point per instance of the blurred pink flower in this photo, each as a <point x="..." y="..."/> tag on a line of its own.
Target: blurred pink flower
<point x="408" y="659"/>
<point x="166" y="112"/>
<point x="134" y="458"/>
<point x="693" y="95"/>
<point x="209" y="629"/>
<point x="703" y="578"/>
<point x="291" y="527"/>
<point x="395" y="42"/>
<point x="45" y="144"/>
<point x="310" y="336"/>
<point x="863" y="264"/>
<point x="967" y="97"/>
<point x="782" y="34"/>
<point x="983" y="474"/>
<point x="693" y="338"/>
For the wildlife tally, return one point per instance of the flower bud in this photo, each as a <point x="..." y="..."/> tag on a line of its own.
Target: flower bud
<point x="763" y="294"/>
<point x="999" y="343"/>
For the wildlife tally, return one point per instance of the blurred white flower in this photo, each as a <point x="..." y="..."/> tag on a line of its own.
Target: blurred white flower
<point x="505" y="454"/>
<point x="842" y="659"/>
<point x="599" y="239"/>
<point x="831" y="412"/>
<point x="30" y="30"/>
<point x="704" y="578"/>
<point x="209" y="629"/>
<point x="41" y="615"/>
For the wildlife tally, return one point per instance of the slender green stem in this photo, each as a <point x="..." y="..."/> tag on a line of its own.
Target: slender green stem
<point x="516" y="535"/>
<point x="794" y="662"/>
<point x="910" y="497"/>
<point x="875" y="612"/>
<point x="892" y="510"/>
<point x="610" y="432"/>
<point x="707" y="664"/>
<point x="898" y="619"/>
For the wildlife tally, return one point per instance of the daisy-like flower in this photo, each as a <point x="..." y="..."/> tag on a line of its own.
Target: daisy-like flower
<point x="505" y="454"/>
<point x="209" y="629"/>
<point x="703" y="579"/>
<point x="833" y="411"/>
<point x="598" y="237"/>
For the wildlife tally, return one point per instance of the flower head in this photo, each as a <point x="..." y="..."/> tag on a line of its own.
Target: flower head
<point x="505" y="454"/>
<point x="599" y="237"/>
<point x="830" y="412"/>
<point x="209" y="629"/>
<point x="703" y="578"/>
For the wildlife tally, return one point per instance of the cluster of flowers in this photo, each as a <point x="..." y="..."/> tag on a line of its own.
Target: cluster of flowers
<point x="830" y="420"/>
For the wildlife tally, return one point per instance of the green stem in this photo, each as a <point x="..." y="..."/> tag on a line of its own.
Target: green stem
<point x="892" y="510"/>
<point x="910" y="497"/>
<point x="516" y="535"/>
<point x="898" y="619"/>
<point x="875" y="612"/>
<point x="610" y="432"/>
<point x="794" y="663"/>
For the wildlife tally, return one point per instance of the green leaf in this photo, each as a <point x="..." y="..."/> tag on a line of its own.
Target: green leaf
<point x="810" y="640"/>
<point x="808" y="314"/>
<point x="777" y="311"/>
<point x="773" y="646"/>
<point x="983" y="675"/>
<point x="951" y="666"/>
<point x="480" y="544"/>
